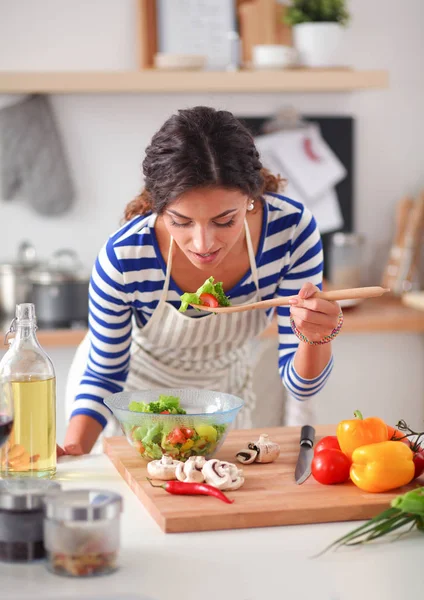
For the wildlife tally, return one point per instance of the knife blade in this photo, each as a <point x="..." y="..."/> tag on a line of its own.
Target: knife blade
<point x="306" y="454"/>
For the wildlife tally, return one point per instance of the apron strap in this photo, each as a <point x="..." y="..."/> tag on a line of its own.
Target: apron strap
<point x="252" y="257"/>
<point x="165" y="288"/>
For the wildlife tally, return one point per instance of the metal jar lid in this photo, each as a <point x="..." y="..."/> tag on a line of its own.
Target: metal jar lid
<point x="83" y="505"/>
<point x="25" y="494"/>
<point x="347" y="239"/>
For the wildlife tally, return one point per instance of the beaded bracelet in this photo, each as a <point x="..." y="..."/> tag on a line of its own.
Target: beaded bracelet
<point x="325" y="339"/>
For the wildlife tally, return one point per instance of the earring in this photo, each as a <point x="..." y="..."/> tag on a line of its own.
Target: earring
<point x="251" y="205"/>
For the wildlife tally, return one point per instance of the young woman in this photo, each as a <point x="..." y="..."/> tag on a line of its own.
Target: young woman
<point x="209" y="208"/>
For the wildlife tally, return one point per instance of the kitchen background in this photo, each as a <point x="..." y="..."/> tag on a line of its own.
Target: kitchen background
<point x="104" y="136"/>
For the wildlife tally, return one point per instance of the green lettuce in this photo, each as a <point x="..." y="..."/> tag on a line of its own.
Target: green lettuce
<point x="164" y="403"/>
<point x="209" y="287"/>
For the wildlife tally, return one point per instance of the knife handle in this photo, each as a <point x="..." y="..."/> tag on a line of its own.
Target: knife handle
<point x="307" y="436"/>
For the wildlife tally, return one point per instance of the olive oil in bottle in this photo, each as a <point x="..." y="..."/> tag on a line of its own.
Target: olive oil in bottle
<point x="31" y="448"/>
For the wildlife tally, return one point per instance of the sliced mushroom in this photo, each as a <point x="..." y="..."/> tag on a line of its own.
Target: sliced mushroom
<point x="223" y="475"/>
<point x="247" y="455"/>
<point x="164" y="469"/>
<point x="191" y="470"/>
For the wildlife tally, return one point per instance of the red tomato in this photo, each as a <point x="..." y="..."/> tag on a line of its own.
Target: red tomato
<point x="328" y="442"/>
<point x="165" y="412"/>
<point x="209" y="300"/>
<point x="187" y="432"/>
<point x="419" y="463"/>
<point x="330" y="466"/>
<point x="176" y="436"/>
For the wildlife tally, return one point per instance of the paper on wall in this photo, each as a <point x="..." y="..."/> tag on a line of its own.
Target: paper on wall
<point x="305" y="157"/>
<point x="325" y="209"/>
<point x="324" y="205"/>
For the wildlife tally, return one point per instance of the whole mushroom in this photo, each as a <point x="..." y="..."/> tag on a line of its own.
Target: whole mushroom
<point x="223" y="475"/>
<point x="191" y="470"/>
<point x="262" y="451"/>
<point x="164" y="469"/>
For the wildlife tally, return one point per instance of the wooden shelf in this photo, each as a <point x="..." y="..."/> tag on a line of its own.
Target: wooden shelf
<point x="379" y="315"/>
<point x="372" y="316"/>
<point x="153" y="81"/>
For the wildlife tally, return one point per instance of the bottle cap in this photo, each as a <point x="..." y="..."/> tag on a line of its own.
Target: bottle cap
<point x="25" y="312"/>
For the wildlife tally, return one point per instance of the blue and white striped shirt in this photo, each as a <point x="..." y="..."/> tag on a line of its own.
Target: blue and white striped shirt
<point x="129" y="275"/>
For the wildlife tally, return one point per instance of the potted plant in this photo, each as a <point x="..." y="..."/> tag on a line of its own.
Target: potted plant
<point x="318" y="28"/>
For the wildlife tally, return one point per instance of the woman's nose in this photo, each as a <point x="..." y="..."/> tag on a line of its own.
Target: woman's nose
<point x="202" y="240"/>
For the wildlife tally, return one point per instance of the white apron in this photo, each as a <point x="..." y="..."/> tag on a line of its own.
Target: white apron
<point x="210" y="352"/>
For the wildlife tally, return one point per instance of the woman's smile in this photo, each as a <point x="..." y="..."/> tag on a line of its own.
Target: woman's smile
<point x="207" y="257"/>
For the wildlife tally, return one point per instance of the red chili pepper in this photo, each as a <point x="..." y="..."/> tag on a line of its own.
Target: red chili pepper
<point x="192" y="489"/>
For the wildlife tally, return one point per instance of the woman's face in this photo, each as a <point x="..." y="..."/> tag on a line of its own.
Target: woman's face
<point x="206" y="224"/>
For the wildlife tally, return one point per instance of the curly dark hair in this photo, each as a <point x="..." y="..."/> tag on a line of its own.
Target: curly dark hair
<point x="200" y="147"/>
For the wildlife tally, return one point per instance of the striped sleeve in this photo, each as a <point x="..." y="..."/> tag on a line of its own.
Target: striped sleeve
<point x="110" y="337"/>
<point x="305" y="265"/>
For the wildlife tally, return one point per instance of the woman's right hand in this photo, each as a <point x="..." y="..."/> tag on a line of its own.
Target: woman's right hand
<point x="59" y="451"/>
<point x="81" y="435"/>
<point x="69" y="450"/>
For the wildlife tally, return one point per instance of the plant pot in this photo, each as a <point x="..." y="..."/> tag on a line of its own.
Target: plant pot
<point x="317" y="44"/>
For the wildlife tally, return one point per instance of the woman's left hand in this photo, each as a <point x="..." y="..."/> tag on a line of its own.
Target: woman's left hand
<point x="314" y="317"/>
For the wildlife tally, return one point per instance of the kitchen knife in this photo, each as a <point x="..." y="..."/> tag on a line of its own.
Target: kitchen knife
<point x="306" y="454"/>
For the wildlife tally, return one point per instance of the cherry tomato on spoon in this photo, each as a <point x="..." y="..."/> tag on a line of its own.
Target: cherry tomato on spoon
<point x="209" y="300"/>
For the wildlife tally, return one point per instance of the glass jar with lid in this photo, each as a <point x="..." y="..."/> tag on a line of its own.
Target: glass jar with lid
<point x="82" y="532"/>
<point x="21" y="518"/>
<point x="346" y="260"/>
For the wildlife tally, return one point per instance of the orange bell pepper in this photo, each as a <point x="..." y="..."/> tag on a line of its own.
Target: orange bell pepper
<point x="383" y="466"/>
<point x="358" y="432"/>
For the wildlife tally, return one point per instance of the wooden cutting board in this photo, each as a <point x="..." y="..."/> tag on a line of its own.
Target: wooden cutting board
<point x="269" y="496"/>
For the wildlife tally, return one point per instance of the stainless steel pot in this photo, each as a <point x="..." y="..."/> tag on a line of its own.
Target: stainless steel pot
<point x="15" y="284"/>
<point x="60" y="291"/>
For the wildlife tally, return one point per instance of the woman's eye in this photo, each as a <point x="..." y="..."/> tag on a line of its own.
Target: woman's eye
<point x="229" y="223"/>
<point x="176" y="224"/>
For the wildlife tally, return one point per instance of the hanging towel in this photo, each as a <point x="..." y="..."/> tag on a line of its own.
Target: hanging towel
<point x="33" y="160"/>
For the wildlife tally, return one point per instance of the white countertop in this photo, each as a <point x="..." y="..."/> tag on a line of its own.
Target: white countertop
<point x="249" y="564"/>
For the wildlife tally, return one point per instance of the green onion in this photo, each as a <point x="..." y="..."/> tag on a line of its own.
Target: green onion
<point x="405" y="510"/>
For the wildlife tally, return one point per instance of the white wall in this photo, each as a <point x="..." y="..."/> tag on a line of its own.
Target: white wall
<point x="105" y="135"/>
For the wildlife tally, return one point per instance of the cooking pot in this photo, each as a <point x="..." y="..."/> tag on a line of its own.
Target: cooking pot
<point x="15" y="285"/>
<point x="60" y="291"/>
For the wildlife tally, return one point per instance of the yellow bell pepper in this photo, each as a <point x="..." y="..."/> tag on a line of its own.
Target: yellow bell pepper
<point x="207" y="432"/>
<point x="358" y="432"/>
<point x="383" y="466"/>
<point x="187" y="445"/>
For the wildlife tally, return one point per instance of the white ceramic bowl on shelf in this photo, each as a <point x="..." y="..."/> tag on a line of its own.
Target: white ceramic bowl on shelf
<point x="179" y="62"/>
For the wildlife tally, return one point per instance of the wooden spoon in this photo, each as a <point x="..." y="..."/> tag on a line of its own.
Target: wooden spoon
<point x="333" y="295"/>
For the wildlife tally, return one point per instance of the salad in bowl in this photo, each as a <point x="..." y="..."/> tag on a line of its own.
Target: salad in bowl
<point x="177" y="422"/>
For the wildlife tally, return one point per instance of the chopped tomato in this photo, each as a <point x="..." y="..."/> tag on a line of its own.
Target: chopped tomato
<point x="187" y="432"/>
<point x="209" y="300"/>
<point x="165" y="412"/>
<point x="176" y="436"/>
<point x="139" y="446"/>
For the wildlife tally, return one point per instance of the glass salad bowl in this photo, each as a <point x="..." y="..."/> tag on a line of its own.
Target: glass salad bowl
<point x="199" y="432"/>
